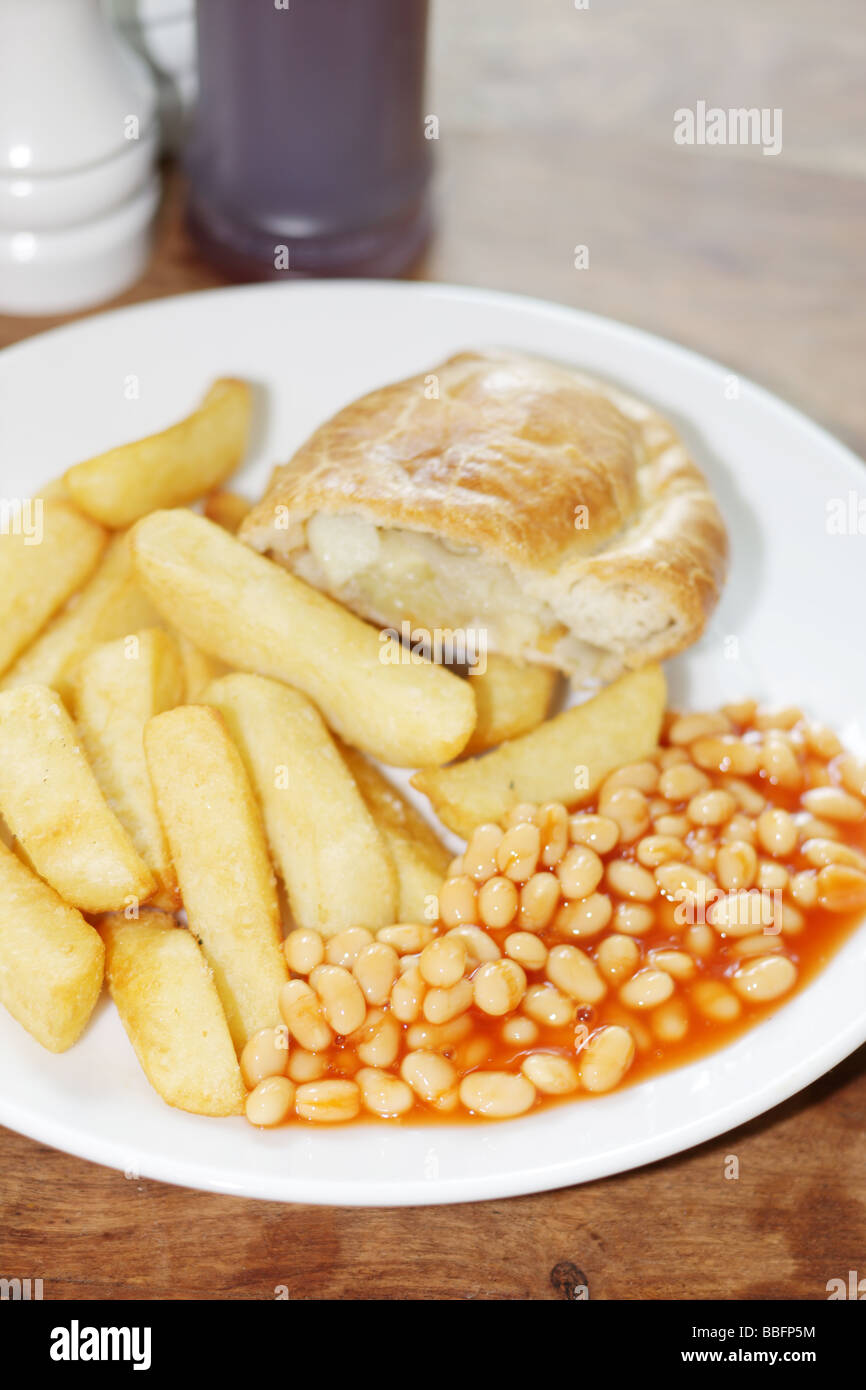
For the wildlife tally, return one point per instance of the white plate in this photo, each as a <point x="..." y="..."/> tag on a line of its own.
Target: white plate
<point x="787" y="630"/>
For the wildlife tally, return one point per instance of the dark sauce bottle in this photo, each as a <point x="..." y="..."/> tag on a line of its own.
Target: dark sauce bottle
<point x="308" y="152"/>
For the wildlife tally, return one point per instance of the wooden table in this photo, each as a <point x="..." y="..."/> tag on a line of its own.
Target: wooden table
<point x="556" y="131"/>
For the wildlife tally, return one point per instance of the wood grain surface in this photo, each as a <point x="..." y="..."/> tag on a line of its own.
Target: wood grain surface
<point x="555" y="132"/>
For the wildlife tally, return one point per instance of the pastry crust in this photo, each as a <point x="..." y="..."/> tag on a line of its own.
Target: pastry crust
<point x="581" y="494"/>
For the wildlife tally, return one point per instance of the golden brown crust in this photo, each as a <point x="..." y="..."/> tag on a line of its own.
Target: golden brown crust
<point x="579" y="489"/>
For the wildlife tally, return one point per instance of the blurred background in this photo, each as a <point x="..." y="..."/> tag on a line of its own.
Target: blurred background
<point x="555" y="132"/>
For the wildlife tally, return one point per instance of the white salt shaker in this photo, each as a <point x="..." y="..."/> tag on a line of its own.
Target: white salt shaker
<point x="78" y="145"/>
<point x="163" y="32"/>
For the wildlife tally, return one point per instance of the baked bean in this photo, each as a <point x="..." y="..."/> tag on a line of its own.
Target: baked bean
<point x="523" y="811"/>
<point x="711" y="807"/>
<point x="304" y="949"/>
<point x="833" y="804"/>
<point x="526" y="948"/>
<point x="551" y="1073"/>
<point x="726" y="754"/>
<point x="747" y="797"/>
<point x="457" y="901"/>
<point x="376" y="968"/>
<point x="689" y="727"/>
<point x="455" y="868"/>
<point x="853" y="774"/>
<point x="265" y="1054"/>
<point x="670" y="1021"/>
<point x="738" y="914"/>
<point x="741" y="711"/>
<point x="675" y="826"/>
<point x="579" y="872"/>
<point x="328" y="1102"/>
<point x="547" y="1005"/>
<point x="779" y="763"/>
<point x="618" y="957"/>
<point x="701" y="940"/>
<point x="498" y="1095"/>
<point x="683" y="781"/>
<point x="820" y="852"/>
<point x="407" y="995"/>
<point x="304" y="1017"/>
<point x="271" y="1101"/>
<point x="343" y="1004"/>
<point x="704" y="854"/>
<point x="804" y="888"/>
<point x="497" y="902"/>
<point x="479" y="856"/>
<point x="474" y="1052"/>
<point x="443" y="961"/>
<point x="629" y="808"/>
<point x="344" y="948"/>
<point x="764" y="978"/>
<point x="633" y="919"/>
<point x="476" y="943"/>
<point x="538" y="899"/>
<point x="790" y="920"/>
<point x="659" y="807"/>
<point x="606" y="1058"/>
<point x="653" y="850"/>
<point x="407" y="937"/>
<point x="377" y="1042"/>
<point x="715" y="1001"/>
<point x="519" y="848"/>
<point x="761" y="944"/>
<point x="436" y="1037"/>
<point x="644" y="776"/>
<point x="679" y="964"/>
<point x="736" y="865"/>
<point x="681" y="882"/>
<point x="442" y="1004"/>
<point x="384" y="1094"/>
<point x="782" y="719"/>
<point x="598" y="832"/>
<point x="553" y="823"/>
<point x="821" y="741"/>
<point x="777" y="832"/>
<point x="740" y="829"/>
<point x="772" y="877"/>
<point x="841" y="888"/>
<point x="574" y="972"/>
<point x="430" y="1075"/>
<point x="584" y="918"/>
<point x="647" y="989"/>
<point x="519" y="1032"/>
<point x="499" y="987"/>
<point x="306" y="1066"/>
<point x="630" y="880"/>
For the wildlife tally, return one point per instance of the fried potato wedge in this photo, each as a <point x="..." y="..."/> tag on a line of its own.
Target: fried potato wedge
<point x="227" y="509"/>
<point x="40" y="567"/>
<point x="199" y="669"/>
<point x="419" y="856"/>
<point x="52" y="803"/>
<point x="110" y="605"/>
<point x="51" y="960"/>
<point x="564" y="759"/>
<point x="511" y="697"/>
<point x="170" y="468"/>
<point x="214" y="830"/>
<point x="245" y="609"/>
<point x="335" y="865"/>
<point x="119" y="686"/>
<point x="169" y="1005"/>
